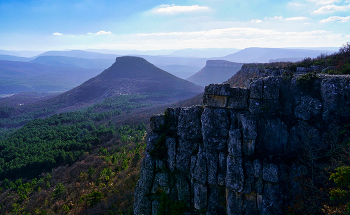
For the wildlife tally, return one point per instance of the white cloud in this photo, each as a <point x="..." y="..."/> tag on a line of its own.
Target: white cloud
<point x="295" y="4"/>
<point x="174" y="9"/>
<point x="103" y="32"/>
<point x="336" y="19"/>
<point x="256" y="21"/>
<point x="275" y="18"/>
<point x="324" y="2"/>
<point x="331" y="9"/>
<point x="57" y="34"/>
<point x="300" y="18"/>
<point x="89" y="33"/>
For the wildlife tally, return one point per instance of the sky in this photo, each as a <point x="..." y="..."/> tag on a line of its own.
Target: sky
<point x="43" y="25"/>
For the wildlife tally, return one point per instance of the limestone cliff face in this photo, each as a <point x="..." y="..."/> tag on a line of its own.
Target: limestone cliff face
<point x="238" y="154"/>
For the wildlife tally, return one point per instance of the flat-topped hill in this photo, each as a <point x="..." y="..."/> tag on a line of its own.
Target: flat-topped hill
<point x="215" y="71"/>
<point x="132" y="75"/>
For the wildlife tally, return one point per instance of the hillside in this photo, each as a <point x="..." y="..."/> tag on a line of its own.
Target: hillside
<point x="131" y="75"/>
<point x="215" y="71"/>
<point x="131" y="82"/>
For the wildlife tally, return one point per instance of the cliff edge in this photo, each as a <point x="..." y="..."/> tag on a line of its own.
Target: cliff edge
<point x="241" y="152"/>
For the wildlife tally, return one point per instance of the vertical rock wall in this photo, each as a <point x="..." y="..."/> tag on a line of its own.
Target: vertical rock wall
<point x="237" y="154"/>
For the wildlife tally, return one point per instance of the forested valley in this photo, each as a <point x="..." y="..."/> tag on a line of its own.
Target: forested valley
<point x="71" y="161"/>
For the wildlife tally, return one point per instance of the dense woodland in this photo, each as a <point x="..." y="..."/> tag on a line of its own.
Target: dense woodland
<point x="98" y="180"/>
<point x="33" y="158"/>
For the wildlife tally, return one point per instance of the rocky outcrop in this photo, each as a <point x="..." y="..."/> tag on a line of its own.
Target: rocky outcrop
<point x="238" y="153"/>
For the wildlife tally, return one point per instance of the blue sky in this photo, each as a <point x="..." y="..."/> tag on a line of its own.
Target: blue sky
<point x="162" y="24"/>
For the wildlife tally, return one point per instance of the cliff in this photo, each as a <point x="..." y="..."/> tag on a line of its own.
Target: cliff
<point x="242" y="152"/>
<point x="215" y="71"/>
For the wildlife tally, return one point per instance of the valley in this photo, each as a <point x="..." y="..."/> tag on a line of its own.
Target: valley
<point x="80" y="151"/>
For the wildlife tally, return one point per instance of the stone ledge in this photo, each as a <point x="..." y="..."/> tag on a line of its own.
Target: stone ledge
<point x="218" y="89"/>
<point x="222" y="95"/>
<point x="215" y="100"/>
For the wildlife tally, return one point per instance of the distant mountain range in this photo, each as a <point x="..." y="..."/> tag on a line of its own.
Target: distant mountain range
<point x="263" y="55"/>
<point x="215" y="71"/>
<point x="63" y="70"/>
<point x="13" y="58"/>
<point x="17" y="77"/>
<point x="80" y="54"/>
<point x="74" y="62"/>
<point x="204" y="53"/>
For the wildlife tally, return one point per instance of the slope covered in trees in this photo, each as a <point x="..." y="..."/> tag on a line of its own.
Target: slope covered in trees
<point x="100" y="182"/>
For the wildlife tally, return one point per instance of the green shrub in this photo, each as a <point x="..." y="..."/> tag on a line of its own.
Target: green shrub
<point x="59" y="190"/>
<point x="307" y="81"/>
<point x="94" y="198"/>
<point x="65" y="208"/>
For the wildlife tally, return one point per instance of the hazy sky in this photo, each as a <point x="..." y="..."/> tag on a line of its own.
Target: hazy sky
<point x="175" y="24"/>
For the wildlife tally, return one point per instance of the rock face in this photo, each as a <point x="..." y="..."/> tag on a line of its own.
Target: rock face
<point x="237" y="154"/>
